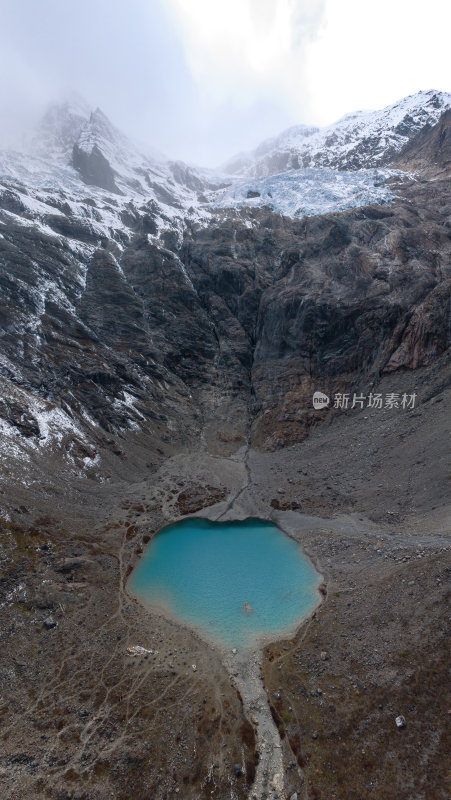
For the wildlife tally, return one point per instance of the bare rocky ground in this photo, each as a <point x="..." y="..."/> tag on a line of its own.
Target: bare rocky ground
<point x="367" y="495"/>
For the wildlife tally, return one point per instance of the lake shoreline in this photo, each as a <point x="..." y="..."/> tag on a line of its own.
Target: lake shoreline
<point x="174" y="607"/>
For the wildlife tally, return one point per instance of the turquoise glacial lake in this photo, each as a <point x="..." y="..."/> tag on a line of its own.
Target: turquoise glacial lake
<point x="231" y="581"/>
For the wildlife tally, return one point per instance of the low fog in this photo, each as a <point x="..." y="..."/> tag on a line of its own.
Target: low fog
<point x="201" y="81"/>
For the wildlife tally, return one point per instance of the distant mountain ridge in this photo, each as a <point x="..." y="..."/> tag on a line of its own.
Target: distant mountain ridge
<point x="363" y="139"/>
<point x="72" y="133"/>
<point x="134" y="188"/>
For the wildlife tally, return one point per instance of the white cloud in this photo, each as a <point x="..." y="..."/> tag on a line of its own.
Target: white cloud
<point x="314" y="59"/>
<point x="370" y="54"/>
<point x="246" y="50"/>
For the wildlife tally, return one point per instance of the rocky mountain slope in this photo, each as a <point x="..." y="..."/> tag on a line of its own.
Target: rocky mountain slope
<point x="118" y="310"/>
<point x="162" y="331"/>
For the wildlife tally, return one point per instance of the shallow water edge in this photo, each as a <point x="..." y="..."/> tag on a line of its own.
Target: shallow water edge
<point x="202" y="576"/>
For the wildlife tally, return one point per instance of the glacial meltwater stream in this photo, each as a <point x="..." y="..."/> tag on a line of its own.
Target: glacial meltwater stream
<point x="231" y="581"/>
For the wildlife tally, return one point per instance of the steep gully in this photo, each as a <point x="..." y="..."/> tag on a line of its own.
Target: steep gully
<point x="245" y="667"/>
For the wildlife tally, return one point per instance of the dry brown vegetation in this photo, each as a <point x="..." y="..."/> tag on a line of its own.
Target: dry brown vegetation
<point x="341" y="729"/>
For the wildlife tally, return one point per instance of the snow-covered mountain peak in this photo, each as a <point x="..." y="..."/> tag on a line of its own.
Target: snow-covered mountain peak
<point x="59" y="128"/>
<point x="362" y="139"/>
<point x="296" y="132"/>
<point x="98" y="131"/>
<point x="106" y="157"/>
<point x="414" y="111"/>
<point x="100" y="127"/>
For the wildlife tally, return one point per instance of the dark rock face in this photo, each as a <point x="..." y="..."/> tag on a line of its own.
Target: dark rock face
<point x="25" y="422"/>
<point x="355" y="297"/>
<point x="430" y="149"/>
<point x="268" y="313"/>
<point x="237" y="322"/>
<point x="94" y="168"/>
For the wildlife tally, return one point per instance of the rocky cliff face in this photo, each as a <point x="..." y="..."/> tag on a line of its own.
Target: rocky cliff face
<point x="429" y="151"/>
<point x="343" y="299"/>
<point x="123" y="324"/>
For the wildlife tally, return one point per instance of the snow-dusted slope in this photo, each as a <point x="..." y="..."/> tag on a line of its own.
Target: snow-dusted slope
<point x="363" y="139"/>
<point x="37" y="192"/>
<point x="71" y="134"/>
<point x="79" y="167"/>
<point x="82" y="172"/>
<point x="59" y="128"/>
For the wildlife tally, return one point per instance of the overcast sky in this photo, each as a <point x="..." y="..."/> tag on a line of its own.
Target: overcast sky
<point x="204" y="79"/>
